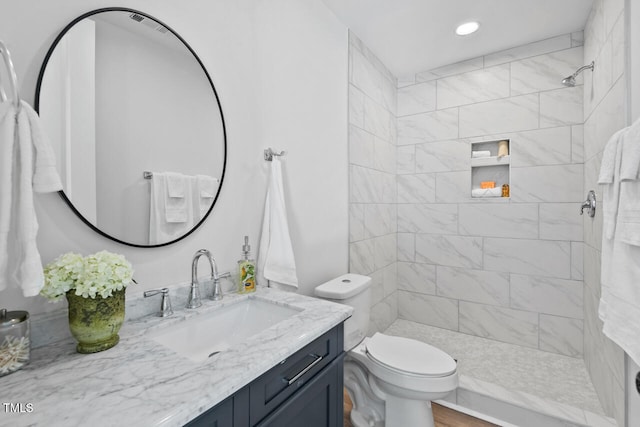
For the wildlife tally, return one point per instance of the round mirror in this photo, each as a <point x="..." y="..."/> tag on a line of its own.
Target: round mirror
<point x="136" y="125"/>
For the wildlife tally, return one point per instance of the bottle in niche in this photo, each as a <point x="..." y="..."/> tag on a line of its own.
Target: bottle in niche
<point x="246" y="270"/>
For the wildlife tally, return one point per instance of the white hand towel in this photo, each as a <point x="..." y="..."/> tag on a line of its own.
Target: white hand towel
<point x="276" y="262"/>
<point x="175" y="184"/>
<point x="28" y="164"/>
<point x="177" y="198"/>
<point x="206" y="188"/>
<point x="169" y="217"/>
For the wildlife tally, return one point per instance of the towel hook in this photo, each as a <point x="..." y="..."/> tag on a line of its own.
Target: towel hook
<point x="6" y="55"/>
<point x="269" y="153"/>
<point x="589" y="204"/>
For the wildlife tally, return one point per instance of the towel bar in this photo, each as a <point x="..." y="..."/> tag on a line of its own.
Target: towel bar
<point x="6" y="55"/>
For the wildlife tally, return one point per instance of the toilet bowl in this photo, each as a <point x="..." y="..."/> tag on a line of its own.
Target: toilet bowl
<point x="391" y="380"/>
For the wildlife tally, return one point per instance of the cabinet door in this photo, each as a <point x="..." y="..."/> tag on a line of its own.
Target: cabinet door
<point x="317" y="404"/>
<point x="220" y="415"/>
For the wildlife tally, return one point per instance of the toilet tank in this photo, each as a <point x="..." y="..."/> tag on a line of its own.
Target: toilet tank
<point x="353" y="290"/>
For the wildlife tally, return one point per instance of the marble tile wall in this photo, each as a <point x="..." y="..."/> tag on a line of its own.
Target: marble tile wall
<point x="505" y="269"/>
<point x="373" y="190"/>
<point x="604" y="93"/>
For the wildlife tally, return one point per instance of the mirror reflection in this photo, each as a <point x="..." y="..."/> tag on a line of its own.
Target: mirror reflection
<point x="136" y="126"/>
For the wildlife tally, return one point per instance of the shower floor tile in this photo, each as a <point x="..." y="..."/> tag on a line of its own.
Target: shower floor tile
<point x="518" y="369"/>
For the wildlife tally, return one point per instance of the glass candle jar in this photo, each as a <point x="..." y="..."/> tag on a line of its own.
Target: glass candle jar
<point x="15" y="343"/>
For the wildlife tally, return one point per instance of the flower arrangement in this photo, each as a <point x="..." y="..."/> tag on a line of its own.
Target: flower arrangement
<point x="97" y="274"/>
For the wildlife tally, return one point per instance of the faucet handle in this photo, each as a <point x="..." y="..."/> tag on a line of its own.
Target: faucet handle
<point x="217" y="290"/>
<point x="165" y="304"/>
<point x="222" y="276"/>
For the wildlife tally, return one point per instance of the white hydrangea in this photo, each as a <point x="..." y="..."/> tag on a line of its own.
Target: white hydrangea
<point x="61" y="275"/>
<point x="97" y="274"/>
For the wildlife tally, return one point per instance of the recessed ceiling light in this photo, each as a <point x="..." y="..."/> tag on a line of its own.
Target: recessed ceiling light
<point x="467" y="28"/>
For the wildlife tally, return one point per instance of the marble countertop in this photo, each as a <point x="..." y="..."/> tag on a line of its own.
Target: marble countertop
<point x="142" y="383"/>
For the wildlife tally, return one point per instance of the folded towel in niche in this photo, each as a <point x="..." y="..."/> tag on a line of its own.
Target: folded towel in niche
<point x="486" y="192"/>
<point x="483" y="153"/>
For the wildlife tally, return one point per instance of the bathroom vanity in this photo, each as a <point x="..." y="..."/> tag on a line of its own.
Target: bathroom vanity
<point x="304" y="389"/>
<point x="288" y="374"/>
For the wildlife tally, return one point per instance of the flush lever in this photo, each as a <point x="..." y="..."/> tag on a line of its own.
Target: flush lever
<point x="589" y="204"/>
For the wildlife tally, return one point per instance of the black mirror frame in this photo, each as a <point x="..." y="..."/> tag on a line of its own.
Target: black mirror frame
<point x="215" y="93"/>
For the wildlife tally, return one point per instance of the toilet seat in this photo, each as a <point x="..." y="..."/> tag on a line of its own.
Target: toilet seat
<point x="409" y="357"/>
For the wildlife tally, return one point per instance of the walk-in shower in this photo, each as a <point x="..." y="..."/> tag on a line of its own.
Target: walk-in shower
<point x="571" y="80"/>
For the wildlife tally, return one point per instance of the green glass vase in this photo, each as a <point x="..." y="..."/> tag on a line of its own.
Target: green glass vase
<point x="95" y="322"/>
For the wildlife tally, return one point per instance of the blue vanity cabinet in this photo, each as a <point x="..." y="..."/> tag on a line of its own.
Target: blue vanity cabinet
<point x="317" y="404"/>
<point x="230" y="412"/>
<point x="303" y="390"/>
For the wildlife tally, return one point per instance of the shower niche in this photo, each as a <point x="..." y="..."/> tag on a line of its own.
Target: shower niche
<point x="490" y="169"/>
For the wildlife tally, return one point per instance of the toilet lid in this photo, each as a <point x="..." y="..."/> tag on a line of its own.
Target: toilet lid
<point x="410" y="356"/>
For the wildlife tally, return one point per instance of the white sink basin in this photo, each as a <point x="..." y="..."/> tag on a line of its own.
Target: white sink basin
<point x="203" y="336"/>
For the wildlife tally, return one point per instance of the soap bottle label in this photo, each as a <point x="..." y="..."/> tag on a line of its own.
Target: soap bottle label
<point x="247" y="276"/>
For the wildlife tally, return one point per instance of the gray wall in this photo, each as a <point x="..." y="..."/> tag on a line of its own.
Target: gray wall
<point x="372" y="170"/>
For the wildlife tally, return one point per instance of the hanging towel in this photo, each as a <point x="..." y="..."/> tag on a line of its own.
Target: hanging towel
<point x="610" y="178"/>
<point x="628" y="220"/>
<point x="619" y="307"/>
<point x="177" y="198"/>
<point x="176" y="183"/>
<point x="206" y="188"/>
<point x="27" y="164"/>
<point x="276" y="262"/>
<point x="169" y="217"/>
<point x="630" y="165"/>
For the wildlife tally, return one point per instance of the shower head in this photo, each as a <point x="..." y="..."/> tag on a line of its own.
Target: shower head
<point x="570" y="81"/>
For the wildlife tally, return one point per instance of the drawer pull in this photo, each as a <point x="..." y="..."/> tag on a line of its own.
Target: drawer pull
<point x="316" y="360"/>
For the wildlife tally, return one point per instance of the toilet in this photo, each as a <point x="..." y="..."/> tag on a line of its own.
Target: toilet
<point x="391" y="380"/>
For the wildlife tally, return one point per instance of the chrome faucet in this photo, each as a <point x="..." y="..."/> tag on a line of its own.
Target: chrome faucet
<point x="194" y="295"/>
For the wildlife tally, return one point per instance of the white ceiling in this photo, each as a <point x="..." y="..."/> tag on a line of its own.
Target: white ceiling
<point x="410" y="36"/>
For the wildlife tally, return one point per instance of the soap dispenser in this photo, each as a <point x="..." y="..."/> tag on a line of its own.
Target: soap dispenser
<point x="246" y="270"/>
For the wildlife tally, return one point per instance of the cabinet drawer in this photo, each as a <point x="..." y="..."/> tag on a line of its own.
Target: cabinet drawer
<point x="318" y="404"/>
<point x="274" y="387"/>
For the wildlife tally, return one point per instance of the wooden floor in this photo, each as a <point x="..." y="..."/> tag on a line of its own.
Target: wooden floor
<point x="443" y="416"/>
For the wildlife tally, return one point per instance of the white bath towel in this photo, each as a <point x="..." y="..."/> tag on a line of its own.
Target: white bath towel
<point x="276" y="262"/>
<point x="630" y="165"/>
<point x="609" y="178"/>
<point x="169" y="217"/>
<point x="481" y="153"/>
<point x="486" y="192"/>
<point x="27" y="164"/>
<point x="619" y="307"/>
<point x="628" y="217"/>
